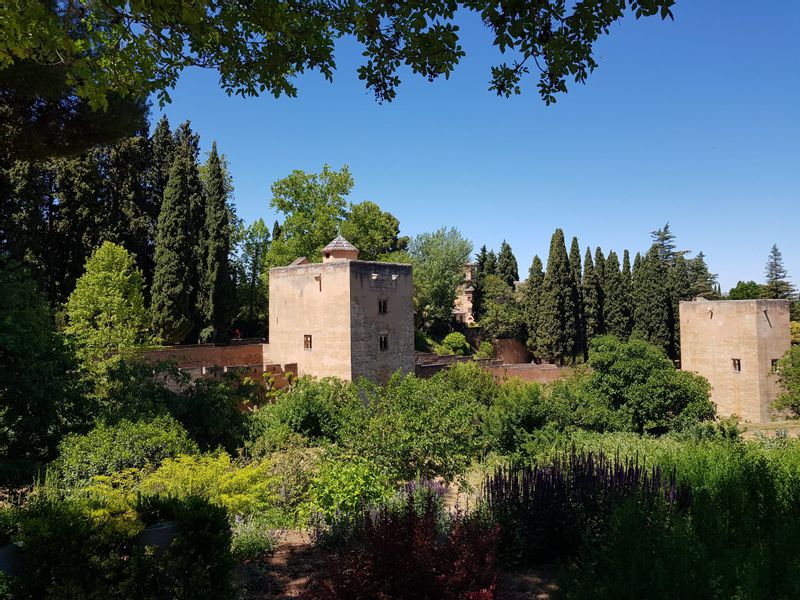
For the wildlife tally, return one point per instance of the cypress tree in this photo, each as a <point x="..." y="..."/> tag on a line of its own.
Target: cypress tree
<point x="580" y="346"/>
<point x="651" y="299"/>
<point x="531" y="302"/>
<point x="276" y="230"/>
<point x="162" y="156"/>
<point x="555" y="328"/>
<point x="777" y="278"/>
<point x="478" y="276"/>
<point x="216" y="291"/>
<point x="616" y="314"/>
<point x="590" y="287"/>
<point x="599" y="273"/>
<point x="702" y="282"/>
<point x="490" y="268"/>
<point x="627" y="286"/>
<point x="507" y="268"/>
<point x="171" y="303"/>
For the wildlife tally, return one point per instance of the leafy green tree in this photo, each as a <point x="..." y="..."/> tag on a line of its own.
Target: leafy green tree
<point x="252" y="290"/>
<point x="478" y="275"/>
<point x="639" y="382"/>
<point x="373" y="231"/>
<point x="777" y="283"/>
<point x="504" y="315"/>
<point x="652" y="305"/>
<point x="40" y="391"/>
<point x="438" y="260"/>
<point x="171" y="303"/>
<point x="507" y="267"/>
<point x="313" y="205"/>
<point x="556" y="328"/>
<point x="457" y="343"/>
<point x="276" y="230"/>
<point x="531" y="302"/>
<point x="162" y="155"/>
<point x="581" y="348"/>
<point x="789" y="380"/>
<point x="592" y="296"/>
<point x="139" y="49"/>
<point x="216" y="289"/>
<point x="490" y="267"/>
<point x="106" y="312"/>
<point x="679" y="287"/>
<point x="664" y="241"/>
<point x="746" y="290"/>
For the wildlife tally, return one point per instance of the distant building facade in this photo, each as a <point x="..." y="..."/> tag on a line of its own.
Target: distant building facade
<point x="736" y="344"/>
<point x="342" y="317"/>
<point x="462" y="307"/>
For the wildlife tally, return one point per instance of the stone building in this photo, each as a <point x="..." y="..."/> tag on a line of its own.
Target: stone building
<point x="342" y="317"/>
<point x="462" y="307"/>
<point x="735" y="344"/>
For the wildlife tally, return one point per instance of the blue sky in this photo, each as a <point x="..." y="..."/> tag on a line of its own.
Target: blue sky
<point x="695" y="122"/>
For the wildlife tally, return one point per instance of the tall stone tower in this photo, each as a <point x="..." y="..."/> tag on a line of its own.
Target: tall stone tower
<point x="342" y="317"/>
<point x="735" y="344"/>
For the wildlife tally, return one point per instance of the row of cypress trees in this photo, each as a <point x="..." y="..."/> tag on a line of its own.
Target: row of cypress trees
<point x="573" y="300"/>
<point x="192" y="285"/>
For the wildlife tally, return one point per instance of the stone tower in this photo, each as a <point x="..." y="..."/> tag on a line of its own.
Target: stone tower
<point x="342" y="317"/>
<point x="735" y="344"/>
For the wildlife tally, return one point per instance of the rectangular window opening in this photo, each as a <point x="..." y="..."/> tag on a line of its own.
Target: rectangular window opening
<point x="383" y="307"/>
<point x="307" y="342"/>
<point x="737" y="364"/>
<point x="383" y="342"/>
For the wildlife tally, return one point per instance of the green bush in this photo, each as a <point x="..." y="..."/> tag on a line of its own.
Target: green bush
<point x="253" y="537"/>
<point x="457" y="343"/>
<point x="344" y="485"/>
<point x="789" y="379"/>
<point x="485" y="351"/>
<point x="110" y="448"/>
<point x="71" y="555"/>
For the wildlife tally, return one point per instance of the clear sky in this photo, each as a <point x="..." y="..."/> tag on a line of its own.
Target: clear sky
<point x="695" y="122"/>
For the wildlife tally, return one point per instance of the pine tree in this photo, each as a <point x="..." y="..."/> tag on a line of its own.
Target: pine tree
<point x="616" y="313"/>
<point x="590" y="288"/>
<point x="664" y="241"/>
<point x="651" y="299"/>
<point x="777" y="278"/>
<point x="555" y="331"/>
<point x="507" y="268"/>
<point x="531" y="302"/>
<point x="580" y="346"/>
<point x="627" y="286"/>
<point x="171" y="294"/>
<point x="599" y="273"/>
<point x="216" y="292"/>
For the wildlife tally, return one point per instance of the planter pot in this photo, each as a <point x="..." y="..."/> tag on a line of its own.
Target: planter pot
<point x="11" y="557"/>
<point x="159" y="535"/>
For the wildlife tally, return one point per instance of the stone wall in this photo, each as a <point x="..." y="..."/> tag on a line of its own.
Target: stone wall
<point x="753" y="332"/>
<point x="511" y="352"/>
<point x="206" y="355"/>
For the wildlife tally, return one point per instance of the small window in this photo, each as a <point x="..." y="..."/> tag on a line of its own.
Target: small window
<point x="307" y="342"/>
<point x="737" y="364"/>
<point x="383" y="342"/>
<point x="383" y="307"/>
<point x="774" y="365"/>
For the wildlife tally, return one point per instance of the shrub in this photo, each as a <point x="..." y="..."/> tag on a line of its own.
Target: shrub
<point x="242" y="490"/>
<point x="110" y="448"/>
<point x="406" y="554"/>
<point x="485" y="351"/>
<point x="344" y="485"/>
<point x="544" y="510"/>
<point x="789" y="379"/>
<point x="418" y="428"/>
<point x="253" y="537"/>
<point x="513" y="416"/>
<point x="457" y="343"/>
<point x="70" y="555"/>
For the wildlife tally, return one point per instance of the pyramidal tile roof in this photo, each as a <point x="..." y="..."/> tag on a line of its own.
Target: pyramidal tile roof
<point x="339" y="243"/>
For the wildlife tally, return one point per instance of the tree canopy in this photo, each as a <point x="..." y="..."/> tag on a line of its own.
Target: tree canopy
<point x="262" y="46"/>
